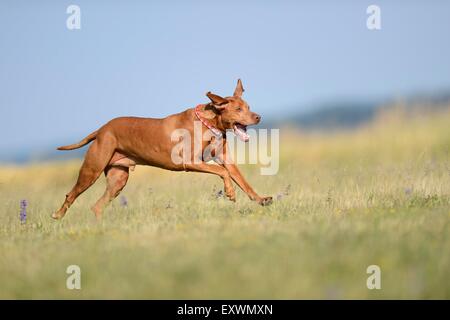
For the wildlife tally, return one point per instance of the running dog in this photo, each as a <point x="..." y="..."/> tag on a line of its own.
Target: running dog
<point x="125" y="142"/>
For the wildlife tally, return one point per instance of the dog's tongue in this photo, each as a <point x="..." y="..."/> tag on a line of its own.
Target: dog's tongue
<point x="241" y="132"/>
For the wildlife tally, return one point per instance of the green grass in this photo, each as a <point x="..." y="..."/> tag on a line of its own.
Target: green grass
<point x="378" y="195"/>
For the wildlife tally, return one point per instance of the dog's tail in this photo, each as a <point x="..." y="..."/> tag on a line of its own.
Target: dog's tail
<point x="83" y="142"/>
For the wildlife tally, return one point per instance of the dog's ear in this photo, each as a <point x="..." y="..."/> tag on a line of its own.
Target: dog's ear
<point x="239" y="89"/>
<point x="217" y="101"/>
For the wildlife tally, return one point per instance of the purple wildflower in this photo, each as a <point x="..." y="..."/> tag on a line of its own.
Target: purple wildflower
<point x="408" y="191"/>
<point x="123" y="201"/>
<point x="219" y="194"/>
<point x="23" y="211"/>
<point x="286" y="192"/>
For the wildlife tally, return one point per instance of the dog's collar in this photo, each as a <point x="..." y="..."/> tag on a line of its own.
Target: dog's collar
<point x="213" y="129"/>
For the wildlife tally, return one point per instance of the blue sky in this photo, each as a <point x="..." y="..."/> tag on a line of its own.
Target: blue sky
<point x="149" y="58"/>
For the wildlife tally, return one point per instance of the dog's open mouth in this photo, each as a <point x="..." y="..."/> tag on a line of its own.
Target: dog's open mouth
<point x="241" y="131"/>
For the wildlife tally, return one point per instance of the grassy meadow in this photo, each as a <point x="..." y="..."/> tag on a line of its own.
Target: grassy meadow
<point x="377" y="195"/>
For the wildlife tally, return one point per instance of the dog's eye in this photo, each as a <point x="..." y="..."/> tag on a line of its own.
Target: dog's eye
<point x="239" y="109"/>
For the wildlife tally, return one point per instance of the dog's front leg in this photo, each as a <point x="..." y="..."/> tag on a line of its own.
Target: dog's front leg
<point x="225" y="159"/>
<point x="244" y="185"/>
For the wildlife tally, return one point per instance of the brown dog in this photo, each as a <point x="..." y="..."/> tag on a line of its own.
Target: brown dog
<point x="125" y="142"/>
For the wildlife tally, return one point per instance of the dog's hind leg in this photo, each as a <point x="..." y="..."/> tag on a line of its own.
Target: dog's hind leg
<point x="96" y="160"/>
<point x="116" y="179"/>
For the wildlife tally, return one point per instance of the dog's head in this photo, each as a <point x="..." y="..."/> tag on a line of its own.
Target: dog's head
<point x="234" y="112"/>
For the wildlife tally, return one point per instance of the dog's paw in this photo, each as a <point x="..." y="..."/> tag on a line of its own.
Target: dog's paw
<point x="232" y="198"/>
<point x="231" y="195"/>
<point x="56" y="216"/>
<point x="265" y="201"/>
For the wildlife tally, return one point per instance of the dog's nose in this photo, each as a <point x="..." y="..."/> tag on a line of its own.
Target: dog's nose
<point x="257" y="117"/>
